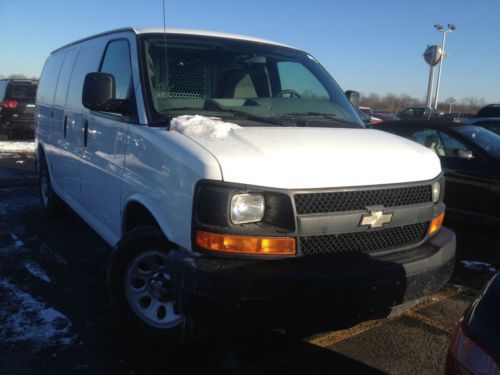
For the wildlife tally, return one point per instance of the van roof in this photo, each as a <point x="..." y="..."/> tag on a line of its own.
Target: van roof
<point x="178" y="32"/>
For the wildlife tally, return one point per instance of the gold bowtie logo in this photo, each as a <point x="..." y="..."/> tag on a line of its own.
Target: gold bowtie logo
<point x="376" y="219"/>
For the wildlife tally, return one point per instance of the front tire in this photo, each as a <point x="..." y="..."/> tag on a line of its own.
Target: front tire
<point x="142" y="290"/>
<point x="52" y="206"/>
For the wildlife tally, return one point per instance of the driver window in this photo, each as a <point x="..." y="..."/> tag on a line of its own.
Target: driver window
<point x="451" y="145"/>
<point x="299" y="80"/>
<point x="430" y="139"/>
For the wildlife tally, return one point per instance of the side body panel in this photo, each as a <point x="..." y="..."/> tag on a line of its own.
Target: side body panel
<point x="162" y="169"/>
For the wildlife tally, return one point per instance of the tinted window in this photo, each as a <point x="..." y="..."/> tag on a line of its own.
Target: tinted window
<point x="451" y="144"/>
<point x="117" y="62"/>
<point x="48" y="80"/>
<point x="493" y="126"/>
<point x="430" y="139"/>
<point x="485" y="139"/>
<point x="26" y="91"/>
<point x="3" y="87"/>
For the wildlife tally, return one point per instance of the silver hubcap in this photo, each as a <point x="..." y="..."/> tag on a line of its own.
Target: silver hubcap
<point x="44" y="189"/>
<point x="149" y="292"/>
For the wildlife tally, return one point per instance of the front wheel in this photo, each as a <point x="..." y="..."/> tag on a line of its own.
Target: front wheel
<point x="142" y="289"/>
<point x="52" y="206"/>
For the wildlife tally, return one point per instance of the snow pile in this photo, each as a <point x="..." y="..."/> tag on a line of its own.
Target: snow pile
<point x="37" y="271"/>
<point x="17" y="241"/>
<point x="24" y="318"/>
<point x="478" y="266"/>
<point x="26" y="147"/>
<point x="202" y="127"/>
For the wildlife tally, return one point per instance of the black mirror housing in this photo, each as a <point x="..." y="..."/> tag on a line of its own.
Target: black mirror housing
<point x="99" y="90"/>
<point x="353" y="97"/>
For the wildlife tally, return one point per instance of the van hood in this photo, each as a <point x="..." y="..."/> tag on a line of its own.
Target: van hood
<point x="305" y="158"/>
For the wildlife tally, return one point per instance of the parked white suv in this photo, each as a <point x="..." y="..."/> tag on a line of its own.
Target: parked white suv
<point x="235" y="182"/>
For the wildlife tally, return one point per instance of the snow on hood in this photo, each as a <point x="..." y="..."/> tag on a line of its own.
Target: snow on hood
<point x="202" y="127"/>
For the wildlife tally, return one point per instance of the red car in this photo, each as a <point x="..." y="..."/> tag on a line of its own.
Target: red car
<point x="475" y="347"/>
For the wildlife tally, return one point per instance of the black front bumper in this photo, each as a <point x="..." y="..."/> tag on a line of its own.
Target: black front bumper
<point x="223" y="291"/>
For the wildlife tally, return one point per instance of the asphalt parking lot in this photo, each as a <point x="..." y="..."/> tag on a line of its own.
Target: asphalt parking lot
<point x="55" y="315"/>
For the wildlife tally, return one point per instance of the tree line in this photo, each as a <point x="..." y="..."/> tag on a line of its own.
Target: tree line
<point x="395" y="103"/>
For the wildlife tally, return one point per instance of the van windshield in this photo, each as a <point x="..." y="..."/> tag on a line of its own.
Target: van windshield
<point x="235" y="78"/>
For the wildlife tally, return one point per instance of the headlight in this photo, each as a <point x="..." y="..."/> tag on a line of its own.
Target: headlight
<point x="436" y="191"/>
<point x="247" y="208"/>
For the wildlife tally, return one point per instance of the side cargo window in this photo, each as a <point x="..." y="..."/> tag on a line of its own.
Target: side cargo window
<point x="116" y="61"/>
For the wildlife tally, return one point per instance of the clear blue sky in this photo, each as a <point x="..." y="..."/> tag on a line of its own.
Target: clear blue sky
<point x="367" y="45"/>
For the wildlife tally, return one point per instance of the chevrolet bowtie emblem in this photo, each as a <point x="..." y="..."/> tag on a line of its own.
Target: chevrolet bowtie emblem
<point x="376" y="219"/>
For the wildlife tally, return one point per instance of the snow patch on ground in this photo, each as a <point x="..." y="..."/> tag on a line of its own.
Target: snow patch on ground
<point x="17" y="242"/>
<point x="24" y="318"/>
<point x="478" y="266"/>
<point x="37" y="271"/>
<point x="202" y="127"/>
<point x="27" y="147"/>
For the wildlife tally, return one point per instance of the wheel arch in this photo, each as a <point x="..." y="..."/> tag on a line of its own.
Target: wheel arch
<point x="138" y="211"/>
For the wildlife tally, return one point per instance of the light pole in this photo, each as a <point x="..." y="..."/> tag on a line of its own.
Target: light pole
<point x="432" y="56"/>
<point x="441" y="29"/>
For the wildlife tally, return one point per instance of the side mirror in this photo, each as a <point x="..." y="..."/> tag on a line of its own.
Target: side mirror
<point x="465" y="154"/>
<point x="353" y="97"/>
<point x="99" y="92"/>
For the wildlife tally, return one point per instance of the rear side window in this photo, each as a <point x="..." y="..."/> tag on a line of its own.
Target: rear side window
<point x="3" y="89"/>
<point x="117" y="62"/>
<point x="48" y="80"/>
<point x="23" y="91"/>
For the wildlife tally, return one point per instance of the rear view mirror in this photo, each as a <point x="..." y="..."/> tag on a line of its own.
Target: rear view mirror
<point x="99" y="92"/>
<point x="353" y="97"/>
<point x="465" y="154"/>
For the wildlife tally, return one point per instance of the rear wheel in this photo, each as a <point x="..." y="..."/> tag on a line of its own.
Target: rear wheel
<point x="52" y="206"/>
<point x="142" y="288"/>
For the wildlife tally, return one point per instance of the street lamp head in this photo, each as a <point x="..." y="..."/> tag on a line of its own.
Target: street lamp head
<point x="439" y="27"/>
<point x="451" y="27"/>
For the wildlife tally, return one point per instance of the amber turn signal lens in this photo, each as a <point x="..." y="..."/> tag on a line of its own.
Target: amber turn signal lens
<point x="246" y="244"/>
<point x="436" y="223"/>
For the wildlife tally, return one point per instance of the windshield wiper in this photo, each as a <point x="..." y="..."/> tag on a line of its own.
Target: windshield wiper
<point x="328" y="116"/>
<point x="234" y="112"/>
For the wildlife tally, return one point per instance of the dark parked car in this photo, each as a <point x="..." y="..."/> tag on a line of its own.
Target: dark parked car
<point x="491" y="110"/>
<point x="475" y="347"/>
<point x="470" y="158"/>
<point x="414" y="113"/>
<point x="17" y="107"/>
<point x="490" y="123"/>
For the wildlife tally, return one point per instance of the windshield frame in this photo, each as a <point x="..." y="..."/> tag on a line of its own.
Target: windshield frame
<point x="155" y="118"/>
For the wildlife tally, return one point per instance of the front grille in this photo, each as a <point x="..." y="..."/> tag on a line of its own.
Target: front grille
<point x="315" y="203"/>
<point x="364" y="242"/>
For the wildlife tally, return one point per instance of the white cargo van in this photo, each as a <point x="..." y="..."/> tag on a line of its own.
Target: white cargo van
<point x="235" y="182"/>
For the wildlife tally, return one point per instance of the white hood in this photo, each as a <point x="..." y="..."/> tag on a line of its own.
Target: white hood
<point x="305" y="158"/>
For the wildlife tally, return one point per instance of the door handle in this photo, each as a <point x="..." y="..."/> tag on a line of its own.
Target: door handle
<point x="65" y="125"/>
<point x="85" y="133"/>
